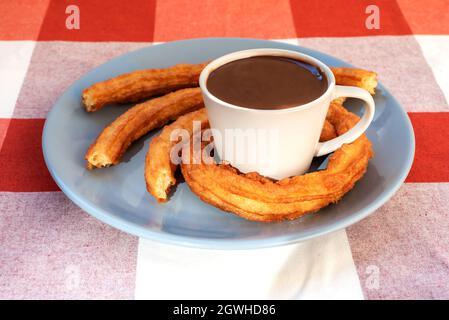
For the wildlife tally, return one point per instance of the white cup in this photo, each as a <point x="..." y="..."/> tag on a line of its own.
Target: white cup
<point x="289" y="138"/>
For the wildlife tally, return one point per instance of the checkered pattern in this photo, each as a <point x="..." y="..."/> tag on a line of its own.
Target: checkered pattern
<point x="49" y="248"/>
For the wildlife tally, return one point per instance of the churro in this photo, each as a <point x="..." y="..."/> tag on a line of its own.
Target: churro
<point x="141" y="84"/>
<point x="137" y="121"/>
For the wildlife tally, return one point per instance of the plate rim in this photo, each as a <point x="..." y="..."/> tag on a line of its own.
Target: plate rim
<point x="225" y="244"/>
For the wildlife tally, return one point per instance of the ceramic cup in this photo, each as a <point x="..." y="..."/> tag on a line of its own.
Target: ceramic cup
<point x="278" y="143"/>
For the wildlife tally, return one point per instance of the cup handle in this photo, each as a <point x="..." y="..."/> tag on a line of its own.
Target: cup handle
<point x="361" y="126"/>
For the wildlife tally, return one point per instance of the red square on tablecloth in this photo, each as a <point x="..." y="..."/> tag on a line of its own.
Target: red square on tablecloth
<point x="346" y="18"/>
<point x="182" y="19"/>
<point x="426" y="17"/>
<point x="21" y="19"/>
<point x="112" y="20"/>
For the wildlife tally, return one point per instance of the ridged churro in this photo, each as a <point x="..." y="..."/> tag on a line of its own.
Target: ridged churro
<point x="137" y="121"/>
<point x="356" y="77"/>
<point x="141" y="84"/>
<point x="328" y="131"/>
<point x="257" y="198"/>
<point x="159" y="169"/>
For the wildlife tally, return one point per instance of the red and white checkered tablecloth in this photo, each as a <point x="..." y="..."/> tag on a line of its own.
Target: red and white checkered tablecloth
<point x="49" y="248"/>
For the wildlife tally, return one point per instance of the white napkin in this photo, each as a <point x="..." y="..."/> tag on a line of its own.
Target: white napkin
<point x="320" y="268"/>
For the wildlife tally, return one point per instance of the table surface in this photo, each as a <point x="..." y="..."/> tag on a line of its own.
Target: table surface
<point x="52" y="249"/>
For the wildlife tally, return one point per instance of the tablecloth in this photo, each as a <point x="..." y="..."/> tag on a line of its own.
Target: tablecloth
<point x="49" y="248"/>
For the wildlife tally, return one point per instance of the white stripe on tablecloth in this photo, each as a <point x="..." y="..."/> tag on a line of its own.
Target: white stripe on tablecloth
<point x="14" y="60"/>
<point x="436" y="52"/>
<point x="318" y="268"/>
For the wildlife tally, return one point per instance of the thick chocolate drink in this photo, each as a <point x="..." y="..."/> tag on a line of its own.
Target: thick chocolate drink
<point x="267" y="82"/>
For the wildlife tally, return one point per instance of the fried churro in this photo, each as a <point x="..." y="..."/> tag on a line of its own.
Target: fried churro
<point x="141" y="84"/>
<point x="159" y="167"/>
<point x="257" y="198"/>
<point x="356" y="77"/>
<point x="137" y="121"/>
<point x="328" y="132"/>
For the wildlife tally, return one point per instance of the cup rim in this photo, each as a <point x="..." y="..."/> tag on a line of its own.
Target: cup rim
<point x="237" y="55"/>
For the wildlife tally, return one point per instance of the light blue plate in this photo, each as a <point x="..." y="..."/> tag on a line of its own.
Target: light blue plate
<point x="117" y="195"/>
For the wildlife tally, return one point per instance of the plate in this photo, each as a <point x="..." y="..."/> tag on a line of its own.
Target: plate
<point x="118" y="197"/>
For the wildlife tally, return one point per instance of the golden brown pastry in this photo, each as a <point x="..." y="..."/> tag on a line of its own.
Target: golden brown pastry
<point x="141" y="84"/>
<point x="356" y="77"/>
<point x="137" y="121"/>
<point x="257" y="198"/>
<point x="159" y="169"/>
<point x="328" y="132"/>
